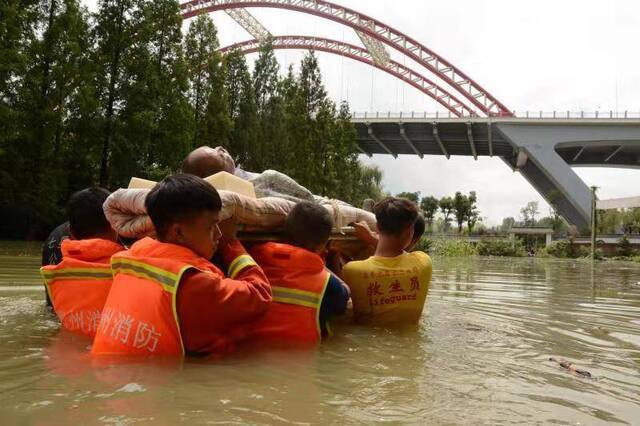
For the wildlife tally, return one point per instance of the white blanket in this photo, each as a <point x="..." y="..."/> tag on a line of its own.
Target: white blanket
<point x="126" y="212"/>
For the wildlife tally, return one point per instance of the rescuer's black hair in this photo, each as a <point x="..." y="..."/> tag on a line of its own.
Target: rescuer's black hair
<point x="308" y="226"/>
<point x="177" y="197"/>
<point x="86" y="216"/>
<point x="418" y="228"/>
<point x="394" y="215"/>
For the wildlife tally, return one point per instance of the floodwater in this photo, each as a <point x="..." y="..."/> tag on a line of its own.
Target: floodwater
<point x="479" y="356"/>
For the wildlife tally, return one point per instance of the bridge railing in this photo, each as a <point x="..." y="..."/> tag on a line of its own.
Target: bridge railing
<point x="559" y="115"/>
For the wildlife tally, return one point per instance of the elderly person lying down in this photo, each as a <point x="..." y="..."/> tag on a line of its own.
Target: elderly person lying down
<point x="276" y="194"/>
<point x="206" y="161"/>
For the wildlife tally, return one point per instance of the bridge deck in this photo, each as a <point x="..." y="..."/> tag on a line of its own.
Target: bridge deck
<point x="542" y="149"/>
<point x="416" y="136"/>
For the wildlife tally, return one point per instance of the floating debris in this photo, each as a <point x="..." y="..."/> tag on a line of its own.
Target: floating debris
<point x="571" y="368"/>
<point x="131" y="388"/>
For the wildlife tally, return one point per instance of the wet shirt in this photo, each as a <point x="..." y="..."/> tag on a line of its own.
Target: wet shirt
<point x="389" y="290"/>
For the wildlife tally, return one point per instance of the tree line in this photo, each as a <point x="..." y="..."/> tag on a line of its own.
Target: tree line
<point x="463" y="208"/>
<point x="95" y="98"/>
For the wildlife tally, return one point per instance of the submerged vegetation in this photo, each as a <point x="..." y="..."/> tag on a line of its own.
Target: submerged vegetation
<point x="459" y="247"/>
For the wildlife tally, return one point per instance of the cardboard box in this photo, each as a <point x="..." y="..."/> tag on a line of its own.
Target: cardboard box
<point x="228" y="182"/>
<point x="221" y="181"/>
<point x="137" y="183"/>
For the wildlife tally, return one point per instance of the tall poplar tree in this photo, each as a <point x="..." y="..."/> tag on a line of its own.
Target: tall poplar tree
<point x="217" y="123"/>
<point x="270" y="140"/>
<point x="156" y="118"/>
<point x="200" y="45"/>
<point x="241" y="106"/>
<point x="54" y="61"/>
<point x="114" y="36"/>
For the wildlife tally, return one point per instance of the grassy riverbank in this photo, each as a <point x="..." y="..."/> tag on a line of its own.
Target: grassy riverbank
<point x="562" y="249"/>
<point x="446" y="247"/>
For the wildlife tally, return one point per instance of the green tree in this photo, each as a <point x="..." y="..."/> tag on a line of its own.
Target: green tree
<point x="114" y="35"/>
<point x="217" y="121"/>
<point x="630" y="221"/>
<point x="53" y="61"/>
<point x="464" y="208"/>
<point x="368" y="184"/>
<point x="313" y="91"/>
<point x="529" y="213"/>
<point x="346" y="162"/>
<point x="507" y="224"/>
<point x="473" y="214"/>
<point x="447" y="209"/>
<point x="411" y="196"/>
<point x="265" y="76"/>
<point x="429" y="206"/>
<point x="156" y="121"/>
<point x="624" y="247"/>
<point x="609" y="221"/>
<point x="473" y="219"/>
<point x="271" y="137"/>
<point x="200" y="45"/>
<point x="18" y="30"/>
<point x="557" y="222"/>
<point x="241" y="106"/>
<point x="297" y="149"/>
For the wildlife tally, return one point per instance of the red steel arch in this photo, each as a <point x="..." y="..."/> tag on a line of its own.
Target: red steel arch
<point x="426" y="86"/>
<point x="408" y="46"/>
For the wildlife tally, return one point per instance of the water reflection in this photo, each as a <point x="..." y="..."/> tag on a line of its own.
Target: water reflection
<point x="480" y="355"/>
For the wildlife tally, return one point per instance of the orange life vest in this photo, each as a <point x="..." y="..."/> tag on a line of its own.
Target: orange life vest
<point x="79" y="285"/>
<point x="140" y="316"/>
<point x="298" y="281"/>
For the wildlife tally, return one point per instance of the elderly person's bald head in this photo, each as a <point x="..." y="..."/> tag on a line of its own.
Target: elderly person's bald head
<point x="206" y="161"/>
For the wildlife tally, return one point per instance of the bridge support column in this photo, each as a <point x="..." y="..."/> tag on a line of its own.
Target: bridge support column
<point x="552" y="177"/>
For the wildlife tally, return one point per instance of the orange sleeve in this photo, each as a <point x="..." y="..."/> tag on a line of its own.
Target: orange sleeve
<point x="213" y="309"/>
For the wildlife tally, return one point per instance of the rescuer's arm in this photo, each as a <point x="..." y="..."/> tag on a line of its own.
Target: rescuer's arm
<point x="365" y="234"/>
<point x="334" y="302"/>
<point x="246" y="290"/>
<point x="212" y="308"/>
<point x="335" y="299"/>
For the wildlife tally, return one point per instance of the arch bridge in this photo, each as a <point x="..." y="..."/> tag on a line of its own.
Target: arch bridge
<point x="476" y="123"/>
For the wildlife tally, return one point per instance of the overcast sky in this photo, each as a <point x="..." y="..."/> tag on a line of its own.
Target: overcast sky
<point x="543" y="55"/>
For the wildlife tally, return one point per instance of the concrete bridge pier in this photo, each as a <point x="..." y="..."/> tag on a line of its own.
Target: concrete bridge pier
<point x="545" y="150"/>
<point x="539" y="163"/>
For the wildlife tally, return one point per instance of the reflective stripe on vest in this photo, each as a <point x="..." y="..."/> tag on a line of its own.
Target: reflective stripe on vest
<point x="166" y="279"/>
<point x="97" y="273"/>
<point x="296" y="297"/>
<point x="239" y="264"/>
<point x="307" y="299"/>
<point x="78" y="294"/>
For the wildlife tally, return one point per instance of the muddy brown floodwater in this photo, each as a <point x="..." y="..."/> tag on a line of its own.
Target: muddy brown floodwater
<point x="481" y="355"/>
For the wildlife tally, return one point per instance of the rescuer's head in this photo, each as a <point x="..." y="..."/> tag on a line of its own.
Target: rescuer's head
<point x="418" y="231"/>
<point x="308" y="226"/>
<point x="206" y="161"/>
<point x="396" y="218"/>
<point x="86" y="216"/>
<point x="185" y="211"/>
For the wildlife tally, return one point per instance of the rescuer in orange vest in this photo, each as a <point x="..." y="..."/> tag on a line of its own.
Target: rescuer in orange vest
<point x="305" y="293"/>
<point x="78" y="286"/>
<point x="167" y="298"/>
